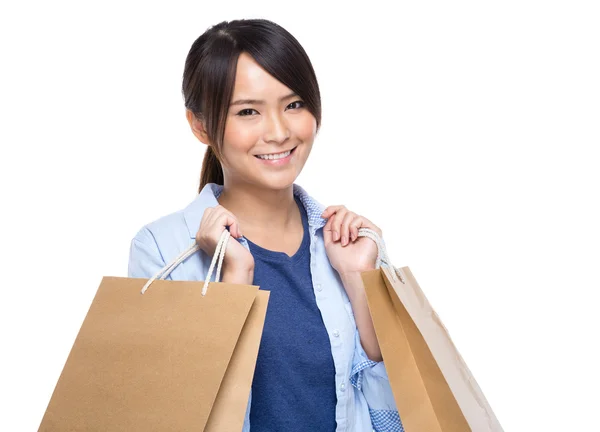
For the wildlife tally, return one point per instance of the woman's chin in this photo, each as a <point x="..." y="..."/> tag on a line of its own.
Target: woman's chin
<point x="279" y="181"/>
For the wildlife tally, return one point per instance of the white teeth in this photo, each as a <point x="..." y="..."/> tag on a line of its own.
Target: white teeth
<point x="275" y="156"/>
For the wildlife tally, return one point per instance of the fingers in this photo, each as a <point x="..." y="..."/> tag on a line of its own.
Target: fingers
<point x="353" y="227"/>
<point x="339" y="223"/>
<point x="224" y="218"/>
<point x="335" y="220"/>
<point x="214" y="221"/>
<point x="331" y="210"/>
<point x="344" y="224"/>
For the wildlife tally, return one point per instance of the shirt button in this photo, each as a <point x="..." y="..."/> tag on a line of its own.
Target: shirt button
<point x="319" y="287"/>
<point x="343" y="387"/>
<point x="336" y="333"/>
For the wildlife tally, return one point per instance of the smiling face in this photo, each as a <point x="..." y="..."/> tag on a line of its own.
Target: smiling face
<point x="275" y="123"/>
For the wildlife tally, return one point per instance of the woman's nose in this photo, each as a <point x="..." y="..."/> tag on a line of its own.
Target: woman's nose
<point x="276" y="128"/>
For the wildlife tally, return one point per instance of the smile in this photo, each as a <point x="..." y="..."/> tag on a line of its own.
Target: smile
<point x="276" y="156"/>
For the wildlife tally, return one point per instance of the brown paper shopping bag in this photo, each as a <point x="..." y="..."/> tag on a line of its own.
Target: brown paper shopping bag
<point x="180" y="357"/>
<point x="432" y="386"/>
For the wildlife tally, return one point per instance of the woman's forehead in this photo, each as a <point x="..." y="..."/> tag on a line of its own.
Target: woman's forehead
<point x="254" y="82"/>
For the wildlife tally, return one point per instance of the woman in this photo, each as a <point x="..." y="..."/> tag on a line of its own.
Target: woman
<point x="251" y="96"/>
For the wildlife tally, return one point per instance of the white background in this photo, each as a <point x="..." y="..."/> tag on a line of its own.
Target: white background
<point x="468" y="131"/>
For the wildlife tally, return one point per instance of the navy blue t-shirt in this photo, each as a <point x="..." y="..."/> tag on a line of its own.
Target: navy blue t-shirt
<point x="294" y="381"/>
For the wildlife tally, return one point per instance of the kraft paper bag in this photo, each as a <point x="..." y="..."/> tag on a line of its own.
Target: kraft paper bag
<point x="433" y="388"/>
<point x="179" y="357"/>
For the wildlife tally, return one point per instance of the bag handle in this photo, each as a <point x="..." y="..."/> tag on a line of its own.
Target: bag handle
<point x="218" y="256"/>
<point x="382" y="255"/>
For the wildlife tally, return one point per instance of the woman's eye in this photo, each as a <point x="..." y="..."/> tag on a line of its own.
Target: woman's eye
<point x="298" y="102"/>
<point x="242" y="112"/>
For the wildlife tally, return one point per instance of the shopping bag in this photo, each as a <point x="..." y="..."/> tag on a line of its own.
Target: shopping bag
<point x="179" y="357"/>
<point x="433" y="388"/>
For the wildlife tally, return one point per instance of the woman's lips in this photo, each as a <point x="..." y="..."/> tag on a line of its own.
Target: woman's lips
<point x="278" y="162"/>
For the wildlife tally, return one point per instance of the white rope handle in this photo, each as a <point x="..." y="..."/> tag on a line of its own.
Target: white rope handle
<point x="382" y="255"/>
<point x="218" y="255"/>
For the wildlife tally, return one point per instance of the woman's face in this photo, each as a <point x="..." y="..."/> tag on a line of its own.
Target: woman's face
<point x="275" y="123"/>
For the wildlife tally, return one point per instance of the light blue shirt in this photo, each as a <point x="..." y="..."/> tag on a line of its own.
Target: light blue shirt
<point x="364" y="397"/>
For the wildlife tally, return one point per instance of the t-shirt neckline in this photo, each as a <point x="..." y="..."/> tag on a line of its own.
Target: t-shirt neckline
<point x="282" y="256"/>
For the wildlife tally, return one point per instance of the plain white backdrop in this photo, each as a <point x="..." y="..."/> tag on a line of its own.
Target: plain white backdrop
<point x="468" y="131"/>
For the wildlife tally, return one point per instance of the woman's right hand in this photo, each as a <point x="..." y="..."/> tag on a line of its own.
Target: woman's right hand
<point x="238" y="263"/>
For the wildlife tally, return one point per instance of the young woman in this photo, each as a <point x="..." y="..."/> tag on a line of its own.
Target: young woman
<point x="251" y="96"/>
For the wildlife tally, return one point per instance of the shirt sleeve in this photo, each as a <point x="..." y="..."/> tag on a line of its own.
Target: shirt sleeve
<point x="371" y="378"/>
<point x="145" y="259"/>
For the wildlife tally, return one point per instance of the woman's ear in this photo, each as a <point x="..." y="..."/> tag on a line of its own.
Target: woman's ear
<point x="197" y="127"/>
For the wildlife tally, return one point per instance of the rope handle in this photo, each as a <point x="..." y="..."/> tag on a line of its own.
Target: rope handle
<point x="219" y="255"/>
<point x="382" y="255"/>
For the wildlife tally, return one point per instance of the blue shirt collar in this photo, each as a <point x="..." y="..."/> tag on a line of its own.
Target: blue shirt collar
<point x="208" y="198"/>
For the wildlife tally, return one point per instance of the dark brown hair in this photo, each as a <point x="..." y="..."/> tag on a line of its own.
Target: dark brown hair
<point x="209" y="77"/>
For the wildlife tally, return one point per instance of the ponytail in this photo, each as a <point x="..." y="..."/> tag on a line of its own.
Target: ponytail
<point x="212" y="172"/>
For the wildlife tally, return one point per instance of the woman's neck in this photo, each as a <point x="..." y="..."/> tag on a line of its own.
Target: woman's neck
<point x="260" y="209"/>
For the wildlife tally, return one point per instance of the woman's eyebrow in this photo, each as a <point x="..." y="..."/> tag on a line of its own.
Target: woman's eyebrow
<point x="259" y="102"/>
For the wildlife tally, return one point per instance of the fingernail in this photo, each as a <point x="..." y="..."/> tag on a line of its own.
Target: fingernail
<point x="336" y="235"/>
<point x="344" y="241"/>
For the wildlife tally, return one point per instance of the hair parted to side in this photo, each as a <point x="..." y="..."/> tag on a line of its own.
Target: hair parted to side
<point x="209" y="77"/>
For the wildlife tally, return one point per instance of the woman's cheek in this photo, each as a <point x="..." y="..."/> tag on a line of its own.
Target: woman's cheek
<point x="241" y="138"/>
<point x="308" y="127"/>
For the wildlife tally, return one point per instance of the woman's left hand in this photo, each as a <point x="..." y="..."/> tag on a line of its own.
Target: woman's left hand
<point x="347" y="252"/>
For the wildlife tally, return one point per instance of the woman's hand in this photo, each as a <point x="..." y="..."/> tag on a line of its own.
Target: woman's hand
<point x="347" y="252"/>
<point x="238" y="263"/>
